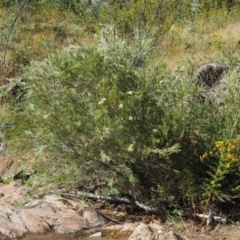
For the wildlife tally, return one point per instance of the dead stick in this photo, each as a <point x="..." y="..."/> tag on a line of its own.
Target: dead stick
<point x="113" y="199"/>
<point x="216" y="218"/>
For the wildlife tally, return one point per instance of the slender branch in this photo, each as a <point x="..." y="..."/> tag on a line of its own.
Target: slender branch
<point x="112" y="199"/>
<point x="20" y="10"/>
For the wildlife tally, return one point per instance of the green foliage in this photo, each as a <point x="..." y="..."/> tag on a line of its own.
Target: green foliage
<point x="109" y="112"/>
<point x="223" y="157"/>
<point x="96" y="111"/>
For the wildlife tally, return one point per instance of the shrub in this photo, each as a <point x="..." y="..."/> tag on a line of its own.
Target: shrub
<point x="110" y="117"/>
<point x="96" y="111"/>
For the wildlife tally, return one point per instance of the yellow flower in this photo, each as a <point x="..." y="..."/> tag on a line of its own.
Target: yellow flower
<point x="130" y="148"/>
<point x="221" y="149"/>
<point x="231" y="148"/>
<point x="219" y="144"/>
<point x="229" y="156"/>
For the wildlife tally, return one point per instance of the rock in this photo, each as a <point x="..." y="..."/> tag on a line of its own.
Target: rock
<point x="215" y="92"/>
<point x="11" y="225"/>
<point x="211" y="73"/>
<point x="97" y="234"/>
<point x="92" y="218"/>
<point x="154" y="225"/>
<point x="160" y="231"/>
<point x="145" y="232"/>
<point x="69" y="222"/>
<point x="67" y="216"/>
<point x="211" y="76"/>
<point x="142" y="231"/>
<point x="167" y="236"/>
<point x="47" y="212"/>
<point x="62" y="215"/>
<point x="12" y="194"/>
<point x="123" y="229"/>
<point x="33" y="223"/>
<point x="129" y="227"/>
<point x="117" y="227"/>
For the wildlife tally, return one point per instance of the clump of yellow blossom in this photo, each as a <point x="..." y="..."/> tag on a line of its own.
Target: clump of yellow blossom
<point x="226" y="149"/>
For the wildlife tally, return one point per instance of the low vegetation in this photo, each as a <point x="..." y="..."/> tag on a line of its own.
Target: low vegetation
<point x="111" y="104"/>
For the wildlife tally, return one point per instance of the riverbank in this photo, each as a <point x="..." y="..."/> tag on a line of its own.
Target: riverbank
<point x="54" y="217"/>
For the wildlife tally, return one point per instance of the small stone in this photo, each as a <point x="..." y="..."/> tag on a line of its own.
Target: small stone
<point x="160" y="231"/>
<point x="97" y="234"/>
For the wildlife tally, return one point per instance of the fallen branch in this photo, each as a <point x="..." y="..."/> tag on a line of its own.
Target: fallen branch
<point x="112" y="199"/>
<point x="106" y="217"/>
<point x="216" y="218"/>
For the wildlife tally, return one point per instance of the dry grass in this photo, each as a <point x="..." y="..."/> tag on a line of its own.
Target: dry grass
<point x="40" y="33"/>
<point x="214" y="36"/>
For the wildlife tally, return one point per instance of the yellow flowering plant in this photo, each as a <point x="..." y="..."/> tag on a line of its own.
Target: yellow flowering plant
<point x="225" y="150"/>
<point x="223" y="160"/>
